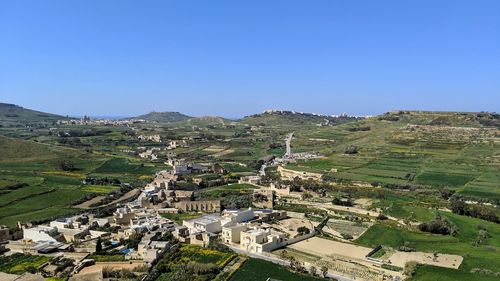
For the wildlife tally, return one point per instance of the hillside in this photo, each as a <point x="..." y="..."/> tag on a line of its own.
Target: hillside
<point x="163" y="117"/>
<point x="208" y="120"/>
<point x="437" y="149"/>
<point x="16" y="149"/>
<point x="291" y="118"/>
<point x="11" y="114"/>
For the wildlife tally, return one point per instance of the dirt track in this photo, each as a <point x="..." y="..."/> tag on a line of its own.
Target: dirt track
<point x="324" y="248"/>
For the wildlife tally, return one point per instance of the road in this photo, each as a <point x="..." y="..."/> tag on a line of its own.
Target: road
<point x="288" y="140"/>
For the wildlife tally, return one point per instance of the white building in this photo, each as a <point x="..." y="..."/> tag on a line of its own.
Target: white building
<point x="237" y="216"/>
<point x="232" y="234"/>
<point x="208" y="223"/>
<point x="260" y="240"/>
<point x="41" y="233"/>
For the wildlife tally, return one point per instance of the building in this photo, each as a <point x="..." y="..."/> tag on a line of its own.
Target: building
<point x="250" y="179"/>
<point x="150" y="251"/>
<point x="41" y="233"/>
<point x="122" y="216"/>
<point x="191" y="169"/>
<point x="232" y="234"/>
<point x="202" y="238"/>
<point x="261" y="240"/>
<point x="263" y="198"/>
<point x="237" y="216"/>
<point x="270" y="215"/>
<point x="207" y="223"/>
<point x="74" y="234"/>
<point x="208" y="206"/>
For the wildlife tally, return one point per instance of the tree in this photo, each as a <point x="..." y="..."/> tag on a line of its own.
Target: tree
<point x="324" y="270"/>
<point x="313" y="270"/>
<point x="410" y="268"/>
<point x="381" y="217"/>
<point x="351" y="149"/>
<point x="98" y="245"/>
<point x="303" y="230"/>
<point x="284" y="255"/>
<point x="66" y="165"/>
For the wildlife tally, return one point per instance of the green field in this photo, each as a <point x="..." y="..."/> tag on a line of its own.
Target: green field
<point x="21" y="263"/>
<point x="430" y="273"/>
<point x="485" y="256"/>
<point x="258" y="270"/>
<point x="390" y="153"/>
<point x="49" y="191"/>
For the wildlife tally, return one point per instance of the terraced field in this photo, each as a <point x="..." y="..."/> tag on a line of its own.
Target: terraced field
<point x="44" y="190"/>
<point x="465" y="159"/>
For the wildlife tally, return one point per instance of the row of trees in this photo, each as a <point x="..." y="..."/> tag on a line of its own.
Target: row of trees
<point x="459" y="206"/>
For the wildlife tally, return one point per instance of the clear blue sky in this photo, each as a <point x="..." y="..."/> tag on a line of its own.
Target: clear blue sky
<point x="237" y="57"/>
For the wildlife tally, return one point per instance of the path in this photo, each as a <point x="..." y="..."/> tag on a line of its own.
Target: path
<point x="86" y="204"/>
<point x="288" y="140"/>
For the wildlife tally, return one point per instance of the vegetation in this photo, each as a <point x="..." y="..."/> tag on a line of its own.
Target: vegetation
<point x="257" y="270"/>
<point x="21" y="263"/>
<point x="189" y="262"/>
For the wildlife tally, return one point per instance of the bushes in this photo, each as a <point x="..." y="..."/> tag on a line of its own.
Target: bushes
<point x="347" y="236"/>
<point x="458" y="206"/>
<point x="66" y="166"/>
<point x="342" y="202"/>
<point x="303" y="230"/>
<point x="408" y="247"/>
<point x="391" y="267"/>
<point x="439" y="225"/>
<point x="20" y="263"/>
<point x="410" y="268"/>
<point x="360" y="128"/>
<point x="382" y="217"/>
<point x="107" y="257"/>
<point x="202" y="268"/>
<point x="351" y="149"/>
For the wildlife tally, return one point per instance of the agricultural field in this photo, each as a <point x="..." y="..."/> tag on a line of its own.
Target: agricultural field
<point x="35" y="187"/>
<point x="258" y="270"/>
<point x="192" y="261"/>
<point x="21" y="263"/>
<point x="482" y="256"/>
<point x="463" y="158"/>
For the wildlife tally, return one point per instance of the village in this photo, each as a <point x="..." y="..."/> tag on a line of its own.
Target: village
<point x="139" y="232"/>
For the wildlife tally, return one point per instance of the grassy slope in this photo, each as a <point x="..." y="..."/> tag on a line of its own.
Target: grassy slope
<point x="50" y="190"/>
<point x="12" y="114"/>
<point x="388" y="152"/>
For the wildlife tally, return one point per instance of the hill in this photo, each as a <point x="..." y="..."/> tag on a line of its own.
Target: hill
<point x="11" y="114"/>
<point x="163" y="117"/>
<point x="292" y="118"/>
<point x="437" y="149"/>
<point x="208" y="120"/>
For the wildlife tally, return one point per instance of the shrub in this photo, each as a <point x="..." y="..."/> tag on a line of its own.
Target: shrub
<point x="439" y="225"/>
<point x="347" y="236"/>
<point x="303" y="230"/>
<point x="382" y="217"/>
<point x="351" y="149"/>
<point x="410" y="268"/>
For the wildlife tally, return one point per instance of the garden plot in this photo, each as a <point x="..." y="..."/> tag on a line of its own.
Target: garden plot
<point x="346" y="227"/>
<point x="328" y="248"/>
<point x="291" y="225"/>
<point x="442" y="260"/>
